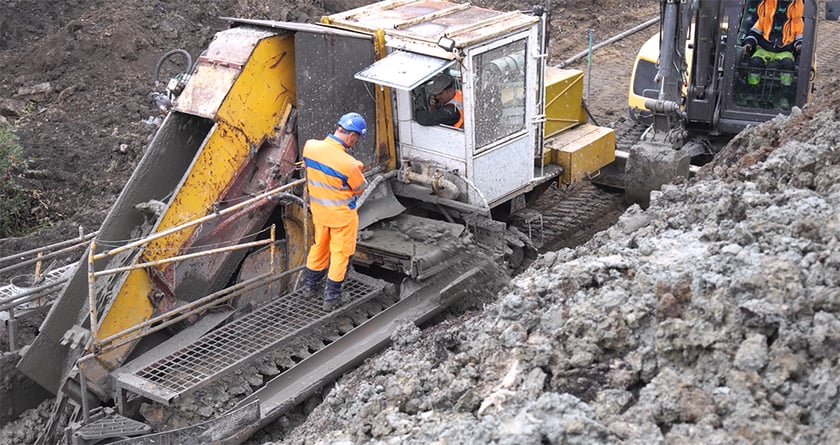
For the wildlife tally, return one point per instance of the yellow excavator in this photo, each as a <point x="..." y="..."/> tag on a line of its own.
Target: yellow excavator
<point x="193" y="275"/>
<point x="695" y="86"/>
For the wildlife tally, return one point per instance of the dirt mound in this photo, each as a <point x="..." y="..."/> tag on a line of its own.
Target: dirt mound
<point x="75" y="82"/>
<point x="755" y="144"/>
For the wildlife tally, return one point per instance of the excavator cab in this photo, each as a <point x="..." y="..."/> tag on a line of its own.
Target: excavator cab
<point x="724" y="89"/>
<point x="729" y="89"/>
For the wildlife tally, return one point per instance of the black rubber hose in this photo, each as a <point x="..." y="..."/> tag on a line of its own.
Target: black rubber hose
<point x="169" y="54"/>
<point x="591" y="117"/>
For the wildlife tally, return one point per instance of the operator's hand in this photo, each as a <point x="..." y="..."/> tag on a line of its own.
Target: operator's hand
<point x="433" y="101"/>
<point x="749" y="49"/>
<point x="797" y="48"/>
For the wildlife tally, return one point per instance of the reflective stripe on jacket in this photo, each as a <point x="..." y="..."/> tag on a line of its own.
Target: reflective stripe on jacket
<point x="334" y="179"/>
<point x="779" y="23"/>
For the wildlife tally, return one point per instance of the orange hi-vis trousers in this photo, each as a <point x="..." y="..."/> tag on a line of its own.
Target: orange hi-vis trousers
<point x="333" y="247"/>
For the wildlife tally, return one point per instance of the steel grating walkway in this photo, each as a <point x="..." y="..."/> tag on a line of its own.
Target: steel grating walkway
<point x="236" y="343"/>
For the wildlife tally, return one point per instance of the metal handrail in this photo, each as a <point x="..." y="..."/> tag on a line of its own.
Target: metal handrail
<point x="94" y="320"/>
<point x="92" y="256"/>
<point x="195" y="222"/>
<point x="81" y="239"/>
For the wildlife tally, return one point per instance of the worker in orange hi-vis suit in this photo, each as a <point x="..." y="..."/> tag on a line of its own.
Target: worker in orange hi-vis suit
<point x="775" y="40"/>
<point x="334" y="181"/>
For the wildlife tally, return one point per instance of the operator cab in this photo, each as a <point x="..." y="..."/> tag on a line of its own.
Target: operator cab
<point x="752" y="93"/>
<point x="720" y="92"/>
<point x="493" y="59"/>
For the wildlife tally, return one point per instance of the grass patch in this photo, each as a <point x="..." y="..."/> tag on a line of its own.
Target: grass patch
<point x="14" y="202"/>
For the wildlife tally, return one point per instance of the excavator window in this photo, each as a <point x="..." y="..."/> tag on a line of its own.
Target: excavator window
<point x="499" y="92"/>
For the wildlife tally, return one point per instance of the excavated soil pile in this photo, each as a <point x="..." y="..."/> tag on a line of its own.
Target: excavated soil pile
<point x="712" y="317"/>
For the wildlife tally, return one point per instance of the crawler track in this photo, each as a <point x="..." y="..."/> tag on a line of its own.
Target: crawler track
<point x="571" y="217"/>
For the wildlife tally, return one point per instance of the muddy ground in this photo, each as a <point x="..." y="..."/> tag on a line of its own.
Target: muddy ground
<point x="710" y="318"/>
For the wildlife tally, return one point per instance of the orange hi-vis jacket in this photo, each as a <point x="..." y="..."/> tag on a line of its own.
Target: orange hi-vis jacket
<point x="334" y="180"/>
<point x="779" y="23"/>
<point x="458" y="101"/>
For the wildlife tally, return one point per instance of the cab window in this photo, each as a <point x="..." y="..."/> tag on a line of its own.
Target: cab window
<point x="499" y="93"/>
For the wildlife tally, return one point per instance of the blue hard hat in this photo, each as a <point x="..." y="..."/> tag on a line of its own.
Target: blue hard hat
<point x="353" y="122"/>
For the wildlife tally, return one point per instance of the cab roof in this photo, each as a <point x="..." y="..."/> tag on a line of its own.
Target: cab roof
<point x="409" y="24"/>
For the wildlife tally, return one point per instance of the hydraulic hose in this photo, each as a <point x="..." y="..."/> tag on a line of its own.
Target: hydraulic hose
<point x="372" y="186"/>
<point x="167" y="55"/>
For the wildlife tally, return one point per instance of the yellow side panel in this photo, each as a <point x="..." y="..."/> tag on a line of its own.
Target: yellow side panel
<point x="259" y="97"/>
<point x="130" y="307"/>
<point x="212" y="170"/>
<point x="249" y="114"/>
<point x="385" y="145"/>
<point x="563" y="95"/>
<point x="582" y="151"/>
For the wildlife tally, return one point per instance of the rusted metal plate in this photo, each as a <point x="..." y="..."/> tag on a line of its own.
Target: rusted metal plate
<point x="205" y="93"/>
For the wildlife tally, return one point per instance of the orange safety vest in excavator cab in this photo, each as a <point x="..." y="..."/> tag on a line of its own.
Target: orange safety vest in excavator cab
<point x="334" y="180"/>
<point x="780" y="23"/>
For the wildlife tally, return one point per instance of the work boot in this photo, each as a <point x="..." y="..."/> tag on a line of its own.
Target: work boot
<point x="312" y="282"/>
<point x="332" y="295"/>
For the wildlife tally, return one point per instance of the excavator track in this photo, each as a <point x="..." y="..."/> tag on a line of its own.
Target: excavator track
<point x="569" y="217"/>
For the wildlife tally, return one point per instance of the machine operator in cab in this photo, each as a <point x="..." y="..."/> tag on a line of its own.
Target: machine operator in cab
<point x="445" y="104"/>
<point x="775" y="39"/>
<point x="334" y="180"/>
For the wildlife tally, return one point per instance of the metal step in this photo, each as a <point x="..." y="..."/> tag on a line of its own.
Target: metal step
<point x="237" y="343"/>
<point x="111" y="425"/>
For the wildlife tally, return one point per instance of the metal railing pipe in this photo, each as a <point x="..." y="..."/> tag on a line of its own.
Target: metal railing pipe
<point x="41" y="258"/>
<point x="180" y="258"/>
<point x="612" y="39"/>
<point x="83" y="239"/>
<point x="194" y="222"/>
<point x="32" y="294"/>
